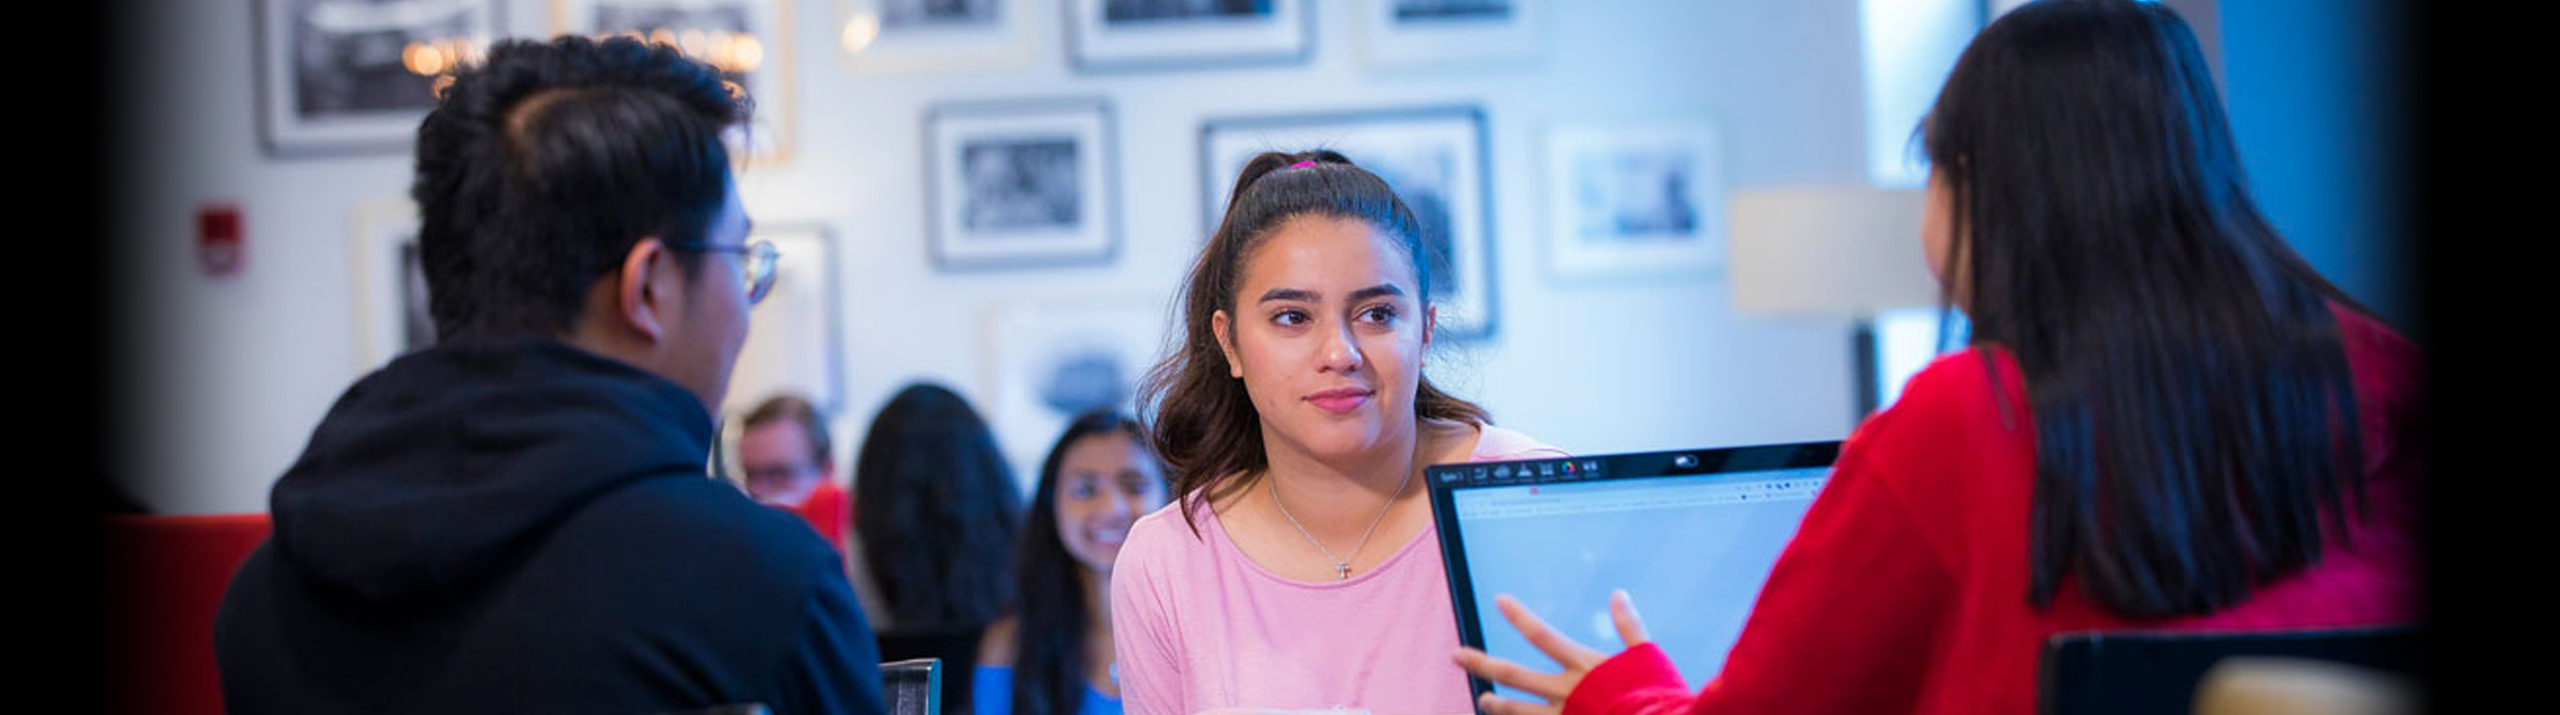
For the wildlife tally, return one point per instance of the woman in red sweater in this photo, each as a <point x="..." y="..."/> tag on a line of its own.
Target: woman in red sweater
<point x="2150" y="430"/>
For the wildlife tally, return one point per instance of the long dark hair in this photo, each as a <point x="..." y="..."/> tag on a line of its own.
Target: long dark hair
<point x="1048" y="663"/>
<point x="2193" y="409"/>
<point x="936" y="512"/>
<point x="1203" y="424"/>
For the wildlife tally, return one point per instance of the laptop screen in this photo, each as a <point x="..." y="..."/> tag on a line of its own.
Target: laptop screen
<point x="1690" y="535"/>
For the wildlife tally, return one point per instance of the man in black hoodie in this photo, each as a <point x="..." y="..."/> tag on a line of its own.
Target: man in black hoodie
<point x="518" y="519"/>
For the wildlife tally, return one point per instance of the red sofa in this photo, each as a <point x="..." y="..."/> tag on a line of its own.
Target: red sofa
<point x="165" y="578"/>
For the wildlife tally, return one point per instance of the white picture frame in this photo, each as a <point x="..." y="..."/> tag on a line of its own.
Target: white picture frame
<point x="1015" y="184"/>
<point x="1451" y="33"/>
<point x="795" y="336"/>
<point x="1047" y="361"/>
<point x="339" y="77"/>
<point x="749" y="40"/>
<point x="1113" y="35"/>
<point x="902" y="36"/>
<point x="391" y="316"/>
<point x="1635" y="199"/>
<point x="1436" y="160"/>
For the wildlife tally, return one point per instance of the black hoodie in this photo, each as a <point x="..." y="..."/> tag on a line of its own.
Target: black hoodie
<point x="523" y="526"/>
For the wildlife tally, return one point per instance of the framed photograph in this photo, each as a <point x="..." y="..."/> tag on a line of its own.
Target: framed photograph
<point x="1048" y="361"/>
<point x="1440" y="33"/>
<point x="355" y="76"/>
<point x="1177" y="34"/>
<point x="749" y="40"/>
<point x="1635" y="200"/>
<point x="1016" y="184"/>
<point x="886" y="36"/>
<point x="390" y="285"/>
<point x="1435" y="160"/>
<point x="795" y="338"/>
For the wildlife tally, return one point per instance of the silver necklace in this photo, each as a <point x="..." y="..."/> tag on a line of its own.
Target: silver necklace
<point x="1341" y="566"/>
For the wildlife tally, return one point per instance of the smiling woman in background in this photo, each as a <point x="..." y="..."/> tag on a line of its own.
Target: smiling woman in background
<point x="1053" y="656"/>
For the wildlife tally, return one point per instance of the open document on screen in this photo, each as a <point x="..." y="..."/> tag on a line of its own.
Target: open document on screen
<point x="1692" y="551"/>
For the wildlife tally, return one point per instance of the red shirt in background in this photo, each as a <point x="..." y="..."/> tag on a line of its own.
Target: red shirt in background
<point x="1905" y="589"/>
<point x="829" y="511"/>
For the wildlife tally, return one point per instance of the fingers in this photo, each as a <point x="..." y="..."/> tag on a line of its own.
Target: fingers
<point x="1571" y="655"/>
<point x="1497" y="705"/>
<point x="1622" y="608"/>
<point x="1545" y="685"/>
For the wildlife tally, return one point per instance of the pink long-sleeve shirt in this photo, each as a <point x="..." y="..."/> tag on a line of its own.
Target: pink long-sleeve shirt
<point x="1202" y="627"/>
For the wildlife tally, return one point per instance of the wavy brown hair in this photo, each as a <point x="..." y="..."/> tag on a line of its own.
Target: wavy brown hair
<point x="1203" y="424"/>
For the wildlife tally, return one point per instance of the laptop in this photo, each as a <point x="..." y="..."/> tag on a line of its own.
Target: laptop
<point x="1689" y="534"/>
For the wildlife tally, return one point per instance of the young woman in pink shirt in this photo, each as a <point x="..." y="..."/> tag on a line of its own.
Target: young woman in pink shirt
<point x="1298" y="570"/>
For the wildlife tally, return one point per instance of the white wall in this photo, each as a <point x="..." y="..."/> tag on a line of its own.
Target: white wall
<point x="234" y="372"/>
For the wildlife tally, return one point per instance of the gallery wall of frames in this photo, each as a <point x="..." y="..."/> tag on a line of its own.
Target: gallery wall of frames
<point x="1002" y="195"/>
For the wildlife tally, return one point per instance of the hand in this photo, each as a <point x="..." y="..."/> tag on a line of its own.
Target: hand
<point x="1576" y="659"/>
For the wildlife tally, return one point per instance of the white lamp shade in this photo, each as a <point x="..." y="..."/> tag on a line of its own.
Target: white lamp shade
<point x="1827" y="251"/>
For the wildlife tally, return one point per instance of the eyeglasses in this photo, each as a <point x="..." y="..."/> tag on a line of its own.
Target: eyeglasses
<point x="755" y="272"/>
<point x="785" y="472"/>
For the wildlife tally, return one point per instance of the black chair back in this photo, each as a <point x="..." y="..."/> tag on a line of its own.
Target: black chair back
<point x="2150" y="672"/>
<point x="733" y="709"/>
<point x="912" y="687"/>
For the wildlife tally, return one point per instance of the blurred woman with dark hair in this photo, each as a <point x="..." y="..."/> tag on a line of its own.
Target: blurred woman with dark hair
<point x="936" y="515"/>
<point x="1054" y="655"/>
<point x="2166" y="419"/>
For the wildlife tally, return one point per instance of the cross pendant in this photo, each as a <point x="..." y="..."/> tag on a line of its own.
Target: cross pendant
<point x="1342" y="569"/>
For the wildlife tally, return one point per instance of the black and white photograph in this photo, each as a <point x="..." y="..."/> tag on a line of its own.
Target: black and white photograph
<point x="390" y="284"/>
<point x="795" y="336"/>
<point x="1442" y="34"/>
<point x="1053" y="359"/>
<point x="919" y="14"/>
<point x="1125" y="11"/>
<point x="359" y="75"/>
<point x="895" y="36"/>
<point x="746" y="39"/>
<point x="1177" y="34"/>
<point x="1429" y="10"/>
<point x="1635" y="199"/>
<point x="1434" y="158"/>
<point x="1018" y="184"/>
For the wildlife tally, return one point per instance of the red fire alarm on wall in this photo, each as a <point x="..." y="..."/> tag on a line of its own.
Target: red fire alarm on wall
<point x="220" y="247"/>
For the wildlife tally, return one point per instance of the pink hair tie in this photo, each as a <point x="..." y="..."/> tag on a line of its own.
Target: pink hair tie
<point x="1302" y="163"/>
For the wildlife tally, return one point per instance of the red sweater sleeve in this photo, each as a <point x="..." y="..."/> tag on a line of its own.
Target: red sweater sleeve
<point x="1640" y="681"/>
<point x="1849" y="617"/>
